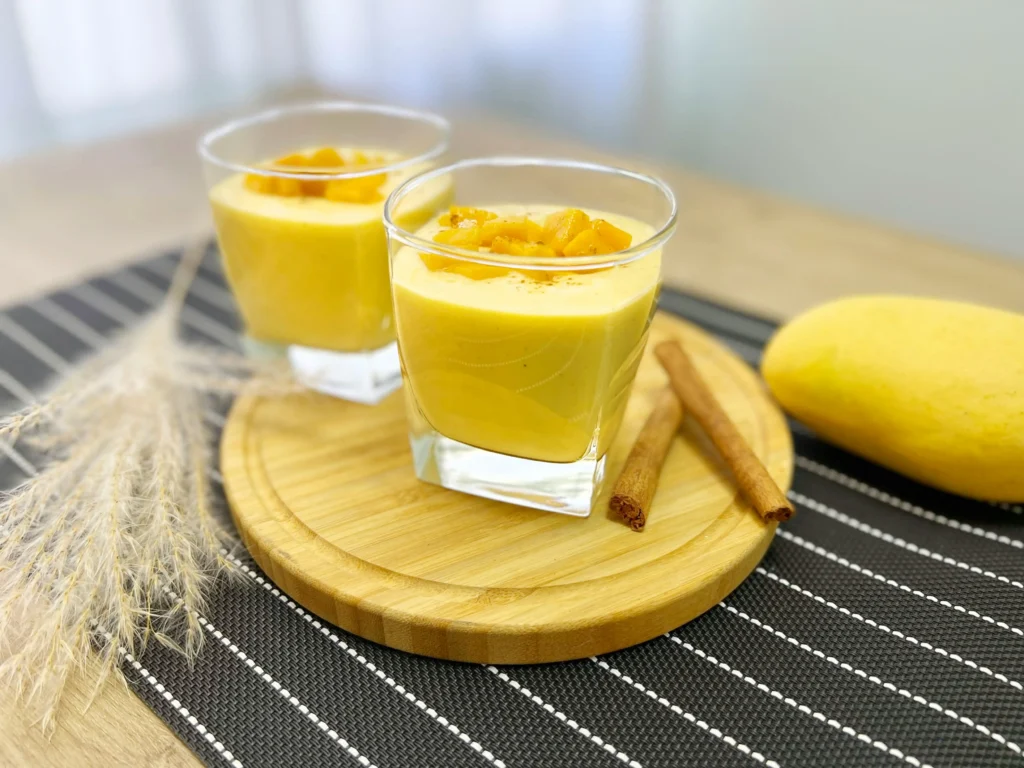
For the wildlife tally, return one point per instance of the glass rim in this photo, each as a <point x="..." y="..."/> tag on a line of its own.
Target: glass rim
<point x="555" y="263"/>
<point x="206" y="152"/>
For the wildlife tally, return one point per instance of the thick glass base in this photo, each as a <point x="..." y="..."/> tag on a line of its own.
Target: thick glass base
<point x="569" y="489"/>
<point x="362" y="377"/>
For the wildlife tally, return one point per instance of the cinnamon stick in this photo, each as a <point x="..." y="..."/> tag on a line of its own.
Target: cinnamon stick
<point x="754" y="481"/>
<point x="635" y="487"/>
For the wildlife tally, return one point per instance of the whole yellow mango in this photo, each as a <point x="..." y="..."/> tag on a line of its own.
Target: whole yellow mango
<point x="932" y="389"/>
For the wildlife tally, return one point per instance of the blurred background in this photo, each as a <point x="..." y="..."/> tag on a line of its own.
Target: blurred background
<point x="905" y="112"/>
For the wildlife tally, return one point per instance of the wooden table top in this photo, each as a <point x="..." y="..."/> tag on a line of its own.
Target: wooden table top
<point x="76" y="211"/>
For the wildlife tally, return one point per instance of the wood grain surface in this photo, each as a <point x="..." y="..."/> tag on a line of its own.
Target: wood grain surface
<point x="113" y="731"/>
<point x="324" y="495"/>
<point x="80" y="210"/>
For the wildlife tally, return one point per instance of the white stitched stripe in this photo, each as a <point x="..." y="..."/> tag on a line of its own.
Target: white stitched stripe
<point x="688" y="716"/>
<point x="905" y="589"/>
<point x="889" y="630"/>
<point x="201" y="286"/>
<point x="19" y="460"/>
<point x="283" y="692"/>
<point x="585" y="732"/>
<point x="1017" y="509"/>
<point x="880" y="745"/>
<point x="190" y="316"/>
<point x="191" y="719"/>
<point x="105" y="303"/>
<point x="838" y="516"/>
<point x="872" y="678"/>
<point x="16" y="388"/>
<point x="48" y="356"/>
<point x="198" y="320"/>
<point x="894" y="501"/>
<point x="27" y="341"/>
<point x="88" y="335"/>
<point x="802" y="542"/>
<point x="379" y="673"/>
<point x="59" y="316"/>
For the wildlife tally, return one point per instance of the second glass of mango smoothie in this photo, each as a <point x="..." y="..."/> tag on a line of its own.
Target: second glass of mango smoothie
<point x="297" y="196"/>
<point x="522" y="313"/>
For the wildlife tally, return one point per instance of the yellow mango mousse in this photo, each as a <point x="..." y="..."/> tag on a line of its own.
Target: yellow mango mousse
<point x="307" y="260"/>
<point x="533" y="365"/>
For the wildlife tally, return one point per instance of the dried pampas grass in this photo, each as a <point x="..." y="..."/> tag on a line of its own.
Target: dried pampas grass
<point x="120" y="513"/>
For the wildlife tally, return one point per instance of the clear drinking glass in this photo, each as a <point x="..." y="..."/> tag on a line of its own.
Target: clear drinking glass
<point x="518" y="368"/>
<point x="297" y="196"/>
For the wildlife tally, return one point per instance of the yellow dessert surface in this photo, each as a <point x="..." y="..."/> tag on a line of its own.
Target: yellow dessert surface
<point x="307" y="260"/>
<point x="535" y="364"/>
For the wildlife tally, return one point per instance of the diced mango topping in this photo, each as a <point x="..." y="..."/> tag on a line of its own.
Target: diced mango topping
<point x="475" y="271"/>
<point x="586" y="243"/>
<point x="288" y="187"/>
<point x="257" y="183"/>
<point x="468" y="237"/>
<point x="459" y="215"/>
<point x="569" y="233"/>
<point x="517" y="247"/>
<point x="518" y="229"/>
<point x="362" y="189"/>
<point x="326" y="160"/>
<point x="560" y="228"/>
<point x="328" y="157"/>
<point x="437" y="263"/>
<point x="615" y="239"/>
<point x="460" y="237"/>
<point x="294" y="160"/>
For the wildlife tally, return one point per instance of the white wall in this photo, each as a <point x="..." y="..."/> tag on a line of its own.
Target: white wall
<point x="909" y="112"/>
<point x="77" y="71"/>
<point x="904" y="111"/>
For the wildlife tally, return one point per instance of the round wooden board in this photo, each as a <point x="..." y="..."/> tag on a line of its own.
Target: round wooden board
<point x="324" y="495"/>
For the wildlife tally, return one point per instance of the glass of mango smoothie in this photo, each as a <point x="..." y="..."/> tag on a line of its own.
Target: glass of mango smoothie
<point x="297" y="196"/>
<point x="522" y="313"/>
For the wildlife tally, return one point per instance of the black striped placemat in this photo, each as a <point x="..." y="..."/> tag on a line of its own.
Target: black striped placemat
<point x="884" y="626"/>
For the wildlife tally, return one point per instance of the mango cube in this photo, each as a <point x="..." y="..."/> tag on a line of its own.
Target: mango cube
<point x="569" y="232"/>
<point x="351" y="191"/>
<point x="436" y="262"/>
<point x="294" y="160"/>
<point x="459" y="213"/>
<point x="460" y="237"/>
<point x="520" y="228"/>
<point x="480" y="271"/>
<point x="313" y="188"/>
<point x="257" y="183"/>
<point x="560" y="228"/>
<point x="326" y="157"/>
<point x="516" y="247"/>
<point x="614" y="238"/>
<point x="287" y="187"/>
<point x="586" y="243"/>
<point x="364" y="189"/>
<point x="372" y="181"/>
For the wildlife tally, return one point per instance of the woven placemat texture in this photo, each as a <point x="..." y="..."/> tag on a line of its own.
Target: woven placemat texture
<point x="884" y="626"/>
